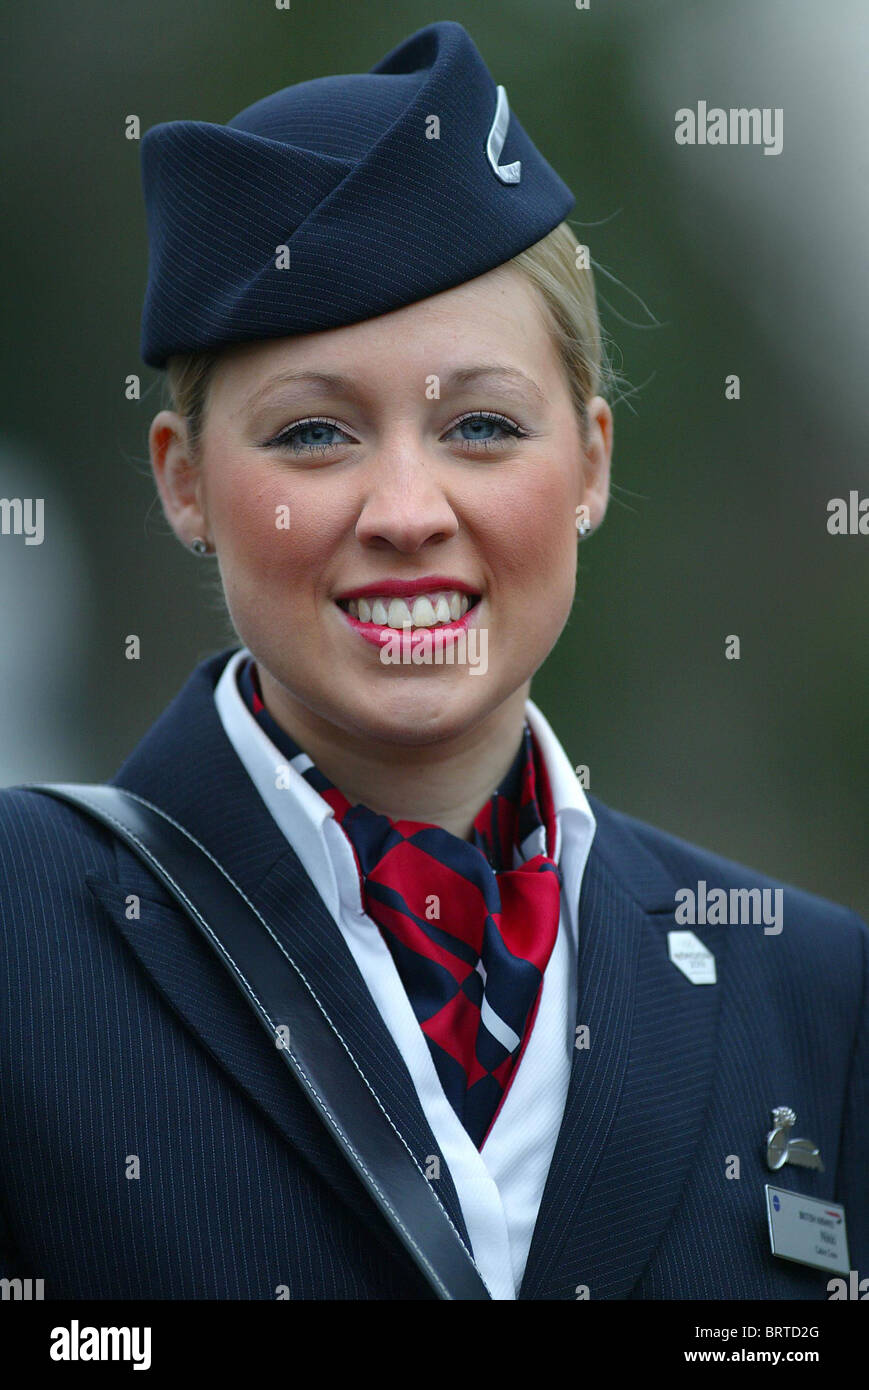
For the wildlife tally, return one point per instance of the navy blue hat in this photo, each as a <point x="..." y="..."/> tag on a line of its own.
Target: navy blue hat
<point x="385" y="187"/>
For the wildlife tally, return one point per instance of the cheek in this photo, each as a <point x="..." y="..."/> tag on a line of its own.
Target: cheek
<point x="266" y="524"/>
<point x="535" y="523"/>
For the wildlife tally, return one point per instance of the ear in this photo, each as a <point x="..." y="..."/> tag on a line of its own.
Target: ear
<point x="597" y="454"/>
<point x="178" y="477"/>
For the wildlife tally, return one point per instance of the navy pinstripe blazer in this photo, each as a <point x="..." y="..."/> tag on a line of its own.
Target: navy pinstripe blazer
<point x="127" y="1038"/>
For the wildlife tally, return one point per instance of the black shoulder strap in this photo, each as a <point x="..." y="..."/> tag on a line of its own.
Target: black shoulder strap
<point x="294" y="1018"/>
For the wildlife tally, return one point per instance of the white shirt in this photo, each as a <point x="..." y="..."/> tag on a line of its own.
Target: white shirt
<point x="500" y="1187"/>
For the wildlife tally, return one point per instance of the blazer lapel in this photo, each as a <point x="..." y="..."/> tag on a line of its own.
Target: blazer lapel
<point x="637" y="1094"/>
<point x="187" y="767"/>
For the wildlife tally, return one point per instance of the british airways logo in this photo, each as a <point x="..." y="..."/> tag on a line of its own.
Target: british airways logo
<point x="507" y="173"/>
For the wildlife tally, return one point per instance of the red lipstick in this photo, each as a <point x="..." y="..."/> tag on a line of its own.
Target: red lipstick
<point x="405" y="588"/>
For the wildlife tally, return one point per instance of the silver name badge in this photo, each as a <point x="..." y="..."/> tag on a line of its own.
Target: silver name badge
<point x="807" y="1230"/>
<point x="781" y="1149"/>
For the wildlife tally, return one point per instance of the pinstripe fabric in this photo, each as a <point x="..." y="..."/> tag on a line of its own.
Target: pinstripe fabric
<point x="344" y="172"/>
<point x="125" y="1037"/>
<point x="224" y="1207"/>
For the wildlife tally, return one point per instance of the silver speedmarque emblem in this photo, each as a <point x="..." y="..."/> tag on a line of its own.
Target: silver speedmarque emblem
<point x="507" y="173"/>
<point x="780" y="1149"/>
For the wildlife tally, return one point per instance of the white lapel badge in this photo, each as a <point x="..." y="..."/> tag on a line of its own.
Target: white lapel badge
<point x="689" y="955"/>
<point x="507" y="173"/>
<point x="781" y="1149"/>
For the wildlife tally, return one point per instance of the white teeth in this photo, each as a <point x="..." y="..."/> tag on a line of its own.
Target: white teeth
<point x="398" y="613"/>
<point x="424" y="610"/>
<point x="423" y="614"/>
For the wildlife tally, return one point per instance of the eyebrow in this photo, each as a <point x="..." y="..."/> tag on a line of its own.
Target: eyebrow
<point x="493" y="375"/>
<point x="326" y="381"/>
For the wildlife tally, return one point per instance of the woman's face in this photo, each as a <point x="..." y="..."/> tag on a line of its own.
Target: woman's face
<point x="433" y="450"/>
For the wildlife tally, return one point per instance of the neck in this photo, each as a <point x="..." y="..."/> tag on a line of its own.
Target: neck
<point x="444" y="783"/>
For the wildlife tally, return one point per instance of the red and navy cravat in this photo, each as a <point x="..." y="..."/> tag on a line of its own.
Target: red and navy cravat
<point x="470" y="924"/>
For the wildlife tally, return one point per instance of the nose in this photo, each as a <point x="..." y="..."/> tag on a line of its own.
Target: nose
<point x="405" y="505"/>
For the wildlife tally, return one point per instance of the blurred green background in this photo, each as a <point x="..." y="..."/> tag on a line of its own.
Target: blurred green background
<point x="747" y="264"/>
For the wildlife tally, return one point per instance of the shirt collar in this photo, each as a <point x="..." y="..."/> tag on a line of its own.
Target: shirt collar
<point x="573" y="814"/>
<point x="286" y="792"/>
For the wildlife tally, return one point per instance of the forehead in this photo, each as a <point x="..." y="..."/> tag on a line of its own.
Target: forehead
<point x="497" y="317"/>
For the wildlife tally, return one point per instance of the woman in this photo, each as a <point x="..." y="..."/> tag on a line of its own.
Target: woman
<point x="387" y="428"/>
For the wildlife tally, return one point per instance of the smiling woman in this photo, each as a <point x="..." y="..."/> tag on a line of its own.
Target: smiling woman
<point x="413" y="473"/>
<point x="424" y="1011"/>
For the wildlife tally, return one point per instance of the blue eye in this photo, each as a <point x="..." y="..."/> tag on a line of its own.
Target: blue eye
<point x="308" y="436"/>
<point x="480" y="429"/>
<point x="484" y="427"/>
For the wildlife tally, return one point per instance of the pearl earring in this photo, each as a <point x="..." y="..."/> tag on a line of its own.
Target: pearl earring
<point x="200" y="546"/>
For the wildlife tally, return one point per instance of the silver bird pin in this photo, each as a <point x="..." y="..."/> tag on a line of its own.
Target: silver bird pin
<point x="780" y="1149"/>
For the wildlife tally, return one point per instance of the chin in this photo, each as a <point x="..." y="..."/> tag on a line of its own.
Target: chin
<point x="416" y="713"/>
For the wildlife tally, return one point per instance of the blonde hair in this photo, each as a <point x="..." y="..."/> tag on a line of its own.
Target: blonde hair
<point x="556" y="266"/>
<point x="559" y="267"/>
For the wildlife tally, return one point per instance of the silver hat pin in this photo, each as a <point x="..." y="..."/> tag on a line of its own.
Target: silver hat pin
<point x="507" y="173"/>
